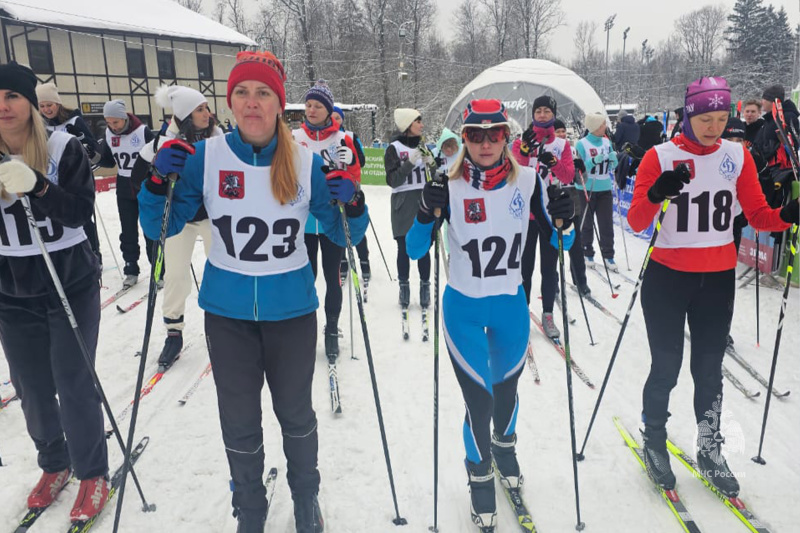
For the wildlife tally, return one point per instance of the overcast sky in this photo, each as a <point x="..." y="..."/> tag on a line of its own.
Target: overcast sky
<point x="648" y="19"/>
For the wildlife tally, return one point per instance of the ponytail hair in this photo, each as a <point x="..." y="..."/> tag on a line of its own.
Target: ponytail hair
<point x="284" y="165"/>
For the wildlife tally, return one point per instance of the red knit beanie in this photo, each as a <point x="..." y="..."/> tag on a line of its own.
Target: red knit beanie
<point x="259" y="66"/>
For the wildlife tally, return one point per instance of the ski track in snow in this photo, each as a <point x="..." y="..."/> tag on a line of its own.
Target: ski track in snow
<point x="185" y="473"/>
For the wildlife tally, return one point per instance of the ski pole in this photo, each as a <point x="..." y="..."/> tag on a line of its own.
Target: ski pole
<point x="596" y="232"/>
<point x="380" y="249"/>
<point x="156" y="270"/>
<point x="586" y="318"/>
<point x="108" y="239"/>
<point x="789" y="267"/>
<point x="26" y="204"/>
<point x="758" y="305"/>
<point x="622" y="226"/>
<point x="350" y="305"/>
<point x="683" y="169"/>
<point x="579" y="526"/>
<point x="194" y="276"/>
<point x="436" y="311"/>
<point x="397" y="520"/>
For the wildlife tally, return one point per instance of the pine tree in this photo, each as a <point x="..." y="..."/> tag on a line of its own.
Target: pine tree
<point x="742" y="34"/>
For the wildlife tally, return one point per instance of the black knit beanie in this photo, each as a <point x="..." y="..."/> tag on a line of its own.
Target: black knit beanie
<point x="545" y="101"/>
<point x="20" y="79"/>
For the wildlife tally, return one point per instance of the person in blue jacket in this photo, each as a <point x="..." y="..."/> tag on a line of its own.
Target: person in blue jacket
<point x="259" y="187"/>
<point x="487" y="199"/>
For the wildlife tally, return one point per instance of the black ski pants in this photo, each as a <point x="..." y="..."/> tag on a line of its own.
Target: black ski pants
<point x="600" y="206"/>
<point x="129" y="238"/>
<point x="331" y="257"/>
<point x="243" y="353"/>
<point x="404" y="262"/>
<point x="45" y="361"/>
<point x="669" y="299"/>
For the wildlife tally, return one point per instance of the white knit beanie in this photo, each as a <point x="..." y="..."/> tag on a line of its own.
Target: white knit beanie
<point x="404" y="116"/>
<point x="48" y="92"/>
<point x="594" y="121"/>
<point x="182" y="100"/>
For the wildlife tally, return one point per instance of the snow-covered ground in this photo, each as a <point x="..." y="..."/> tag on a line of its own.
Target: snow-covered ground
<point x="184" y="471"/>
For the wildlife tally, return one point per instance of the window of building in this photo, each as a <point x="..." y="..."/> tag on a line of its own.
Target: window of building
<point x="136" y="65"/>
<point x="40" y="57"/>
<point x="204" y="68"/>
<point x="166" y="64"/>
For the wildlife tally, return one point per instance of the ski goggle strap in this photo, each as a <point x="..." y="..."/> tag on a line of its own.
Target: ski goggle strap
<point x="478" y="135"/>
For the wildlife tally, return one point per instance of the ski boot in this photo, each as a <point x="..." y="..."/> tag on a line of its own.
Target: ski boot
<point x="505" y="460"/>
<point x="331" y="342"/>
<point x="656" y="457"/>
<point x="92" y="497"/>
<point x="611" y="264"/>
<point x="425" y="294"/>
<point x="307" y="515"/>
<point x="405" y="294"/>
<point x="549" y="325"/>
<point x="713" y="466"/>
<point x="366" y="273"/>
<point x="589" y="260"/>
<point x="483" y="505"/>
<point x="129" y="281"/>
<point x="250" y="520"/>
<point x="172" y="349"/>
<point x="48" y="487"/>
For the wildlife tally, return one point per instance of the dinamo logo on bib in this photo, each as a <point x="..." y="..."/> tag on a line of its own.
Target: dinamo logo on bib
<point x="727" y="168"/>
<point x="474" y="210"/>
<point x="231" y="184"/>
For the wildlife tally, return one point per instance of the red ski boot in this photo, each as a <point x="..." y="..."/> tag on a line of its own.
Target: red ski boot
<point x="45" y="492"/>
<point x="92" y="497"/>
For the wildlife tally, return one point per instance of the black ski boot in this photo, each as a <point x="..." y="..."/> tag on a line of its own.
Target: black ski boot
<point x="344" y="270"/>
<point x="172" y="348"/>
<point x="366" y="273"/>
<point x="405" y="294"/>
<point x="505" y="460"/>
<point x="584" y="290"/>
<point x="250" y="520"/>
<point x="307" y="515"/>
<point x="425" y="294"/>
<point x="331" y="342"/>
<point x="713" y="466"/>
<point x="483" y="505"/>
<point x="656" y="457"/>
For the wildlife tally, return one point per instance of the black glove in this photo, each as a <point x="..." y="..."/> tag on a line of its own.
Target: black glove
<point x="72" y="129"/>
<point x="669" y="184"/>
<point x="560" y="206"/>
<point x="527" y="142"/>
<point x="579" y="165"/>
<point x="439" y="161"/>
<point x="547" y="159"/>
<point x="791" y="212"/>
<point x="435" y="195"/>
<point x="355" y="208"/>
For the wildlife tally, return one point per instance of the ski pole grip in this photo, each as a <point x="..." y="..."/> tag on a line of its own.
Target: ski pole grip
<point x="181" y="145"/>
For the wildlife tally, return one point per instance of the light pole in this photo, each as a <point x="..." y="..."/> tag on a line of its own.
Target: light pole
<point x="608" y="25"/>
<point x="624" y="72"/>
<point x="402" y="75"/>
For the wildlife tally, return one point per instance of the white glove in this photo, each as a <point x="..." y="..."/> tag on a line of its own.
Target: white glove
<point x="598" y="159"/>
<point x="429" y="160"/>
<point x="345" y="155"/>
<point x="414" y="156"/>
<point x="17" y="177"/>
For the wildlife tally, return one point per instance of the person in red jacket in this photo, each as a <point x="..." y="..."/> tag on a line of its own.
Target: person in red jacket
<point x="691" y="273"/>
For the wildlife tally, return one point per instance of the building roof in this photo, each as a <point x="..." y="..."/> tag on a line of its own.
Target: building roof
<point x="154" y="17"/>
<point x="519" y="81"/>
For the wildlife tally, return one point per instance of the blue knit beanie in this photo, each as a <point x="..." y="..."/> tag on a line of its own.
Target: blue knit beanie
<point x="321" y="93"/>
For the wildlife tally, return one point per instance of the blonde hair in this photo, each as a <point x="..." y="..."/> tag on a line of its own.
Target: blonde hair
<point x="284" y="169"/>
<point x="34" y="153"/>
<point x="457" y="168"/>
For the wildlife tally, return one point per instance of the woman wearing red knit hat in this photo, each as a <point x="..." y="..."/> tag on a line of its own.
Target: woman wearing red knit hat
<point x="259" y="187"/>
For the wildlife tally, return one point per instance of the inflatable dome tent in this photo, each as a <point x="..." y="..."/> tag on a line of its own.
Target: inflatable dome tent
<point x="518" y="82"/>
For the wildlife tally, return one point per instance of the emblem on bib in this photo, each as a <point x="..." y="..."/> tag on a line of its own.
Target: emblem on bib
<point x="115" y="142"/>
<point x="231" y="184"/>
<point x="592" y="152"/>
<point x="689" y="164"/>
<point x="517" y="205"/>
<point x="135" y="140"/>
<point x="728" y="168"/>
<point x="403" y="156"/>
<point x="300" y="193"/>
<point x="474" y="211"/>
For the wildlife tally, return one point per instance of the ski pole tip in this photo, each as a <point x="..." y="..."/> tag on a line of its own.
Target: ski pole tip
<point x="759" y="460"/>
<point x="399" y="521"/>
<point x="579" y="456"/>
<point x="149" y="508"/>
<point x="614" y="295"/>
<point x="580" y="526"/>
<point x="434" y="529"/>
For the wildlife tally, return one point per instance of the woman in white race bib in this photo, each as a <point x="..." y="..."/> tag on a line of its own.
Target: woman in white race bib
<point x="690" y="278"/>
<point x="487" y="201"/>
<point x="259" y="187"/>
<point x="38" y="341"/>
